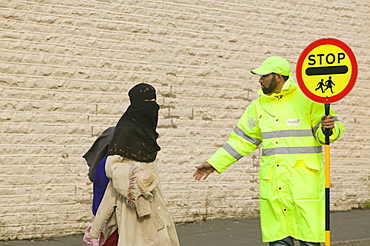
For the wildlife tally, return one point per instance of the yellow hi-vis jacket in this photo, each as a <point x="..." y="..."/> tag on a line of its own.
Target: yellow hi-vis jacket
<point x="292" y="192"/>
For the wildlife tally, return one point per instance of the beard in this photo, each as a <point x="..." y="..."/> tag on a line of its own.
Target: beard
<point x="271" y="87"/>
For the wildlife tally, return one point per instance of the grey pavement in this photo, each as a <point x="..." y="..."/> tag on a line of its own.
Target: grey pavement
<point x="348" y="228"/>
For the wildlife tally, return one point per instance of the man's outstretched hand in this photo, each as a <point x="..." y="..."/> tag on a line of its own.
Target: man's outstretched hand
<point x="203" y="171"/>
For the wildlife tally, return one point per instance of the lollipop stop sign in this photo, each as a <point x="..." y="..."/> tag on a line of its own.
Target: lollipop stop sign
<point x="326" y="70"/>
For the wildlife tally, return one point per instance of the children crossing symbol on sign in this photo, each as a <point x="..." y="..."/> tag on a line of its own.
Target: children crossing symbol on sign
<point x="328" y="84"/>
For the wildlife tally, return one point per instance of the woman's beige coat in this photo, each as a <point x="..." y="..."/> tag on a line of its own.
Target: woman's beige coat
<point x="133" y="201"/>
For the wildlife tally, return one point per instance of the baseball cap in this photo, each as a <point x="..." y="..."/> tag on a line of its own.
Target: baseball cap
<point x="273" y="64"/>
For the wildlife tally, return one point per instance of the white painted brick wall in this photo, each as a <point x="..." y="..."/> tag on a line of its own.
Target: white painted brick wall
<point x="66" y="67"/>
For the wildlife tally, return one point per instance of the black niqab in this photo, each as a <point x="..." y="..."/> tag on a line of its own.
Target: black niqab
<point x="135" y="136"/>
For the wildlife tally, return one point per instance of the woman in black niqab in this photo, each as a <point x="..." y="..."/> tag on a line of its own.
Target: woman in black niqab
<point x="135" y="136"/>
<point x="134" y="195"/>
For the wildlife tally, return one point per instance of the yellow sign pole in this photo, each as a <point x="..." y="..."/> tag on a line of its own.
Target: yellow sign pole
<point x="327" y="180"/>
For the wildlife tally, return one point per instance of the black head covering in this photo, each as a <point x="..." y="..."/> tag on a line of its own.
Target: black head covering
<point x="98" y="150"/>
<point x="135" y="136"/>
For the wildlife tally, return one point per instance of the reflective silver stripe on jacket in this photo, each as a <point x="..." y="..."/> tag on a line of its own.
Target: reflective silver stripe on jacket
<point x="316" y="127"/>
<point x="292" y="150"/>
<point x="232" y="151"/>
<point x="287" y="133"/>
<point x="242" y="134"/>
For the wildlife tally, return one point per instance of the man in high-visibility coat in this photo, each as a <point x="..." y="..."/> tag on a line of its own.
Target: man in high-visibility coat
<point x="291" y="129"/>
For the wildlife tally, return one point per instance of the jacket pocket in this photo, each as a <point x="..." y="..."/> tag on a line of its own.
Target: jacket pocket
<point x="158" y="222"/>
<point x="308" y="183"/>
<point x="265" y="176"/>
<point x="314" y="165"/>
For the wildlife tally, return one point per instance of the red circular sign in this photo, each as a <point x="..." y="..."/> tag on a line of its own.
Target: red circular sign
<point x="326" y="70"/>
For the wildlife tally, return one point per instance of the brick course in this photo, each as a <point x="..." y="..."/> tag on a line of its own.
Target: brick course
<point x="66" y="67"/>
